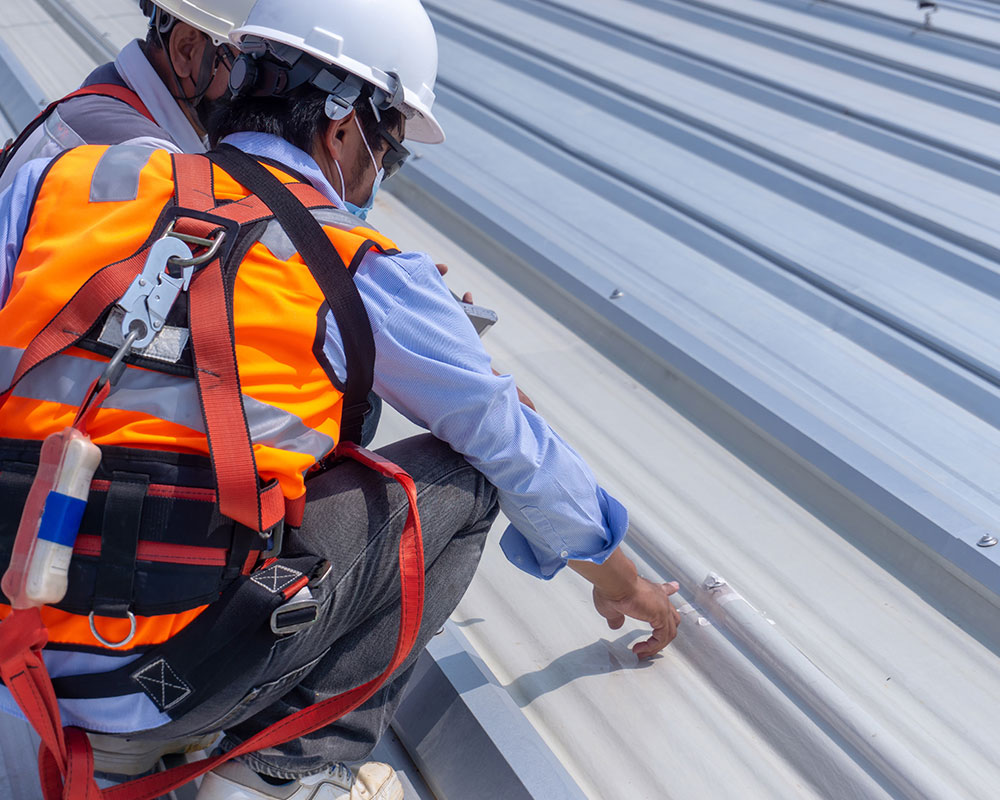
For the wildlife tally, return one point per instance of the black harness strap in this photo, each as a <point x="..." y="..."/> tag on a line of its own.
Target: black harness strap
<point x="224" y="640"/>
<point x="15" y="483"/>
<point x="239" y="552"/>
<point x="119" y="544"/>
<point x="329" y="272"/>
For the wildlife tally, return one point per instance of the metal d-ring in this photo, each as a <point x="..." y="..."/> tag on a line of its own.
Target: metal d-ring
<point x="105" y="642"/>
<point x="213" y="245"/>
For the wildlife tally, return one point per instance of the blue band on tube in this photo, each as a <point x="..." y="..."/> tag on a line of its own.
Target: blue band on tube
<point x="61" y="519"/>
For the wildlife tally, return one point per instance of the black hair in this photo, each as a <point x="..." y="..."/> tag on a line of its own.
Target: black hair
<point x="153" y="38"/>
<point x="299" y="118"/>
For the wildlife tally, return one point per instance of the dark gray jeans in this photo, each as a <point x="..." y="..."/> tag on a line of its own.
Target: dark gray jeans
<point x="355" y="518"/>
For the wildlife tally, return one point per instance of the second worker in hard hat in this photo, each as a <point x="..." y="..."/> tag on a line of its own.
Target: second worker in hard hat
<point x="174" y="79"/>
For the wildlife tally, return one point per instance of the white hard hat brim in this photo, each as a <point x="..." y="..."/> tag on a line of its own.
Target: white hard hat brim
<point x="421" y="125"/>
<point x="424" y="128"/>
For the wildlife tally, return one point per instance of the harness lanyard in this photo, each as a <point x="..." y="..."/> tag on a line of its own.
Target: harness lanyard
<point x="38" y="571"/>
<point x="65" y="757"/>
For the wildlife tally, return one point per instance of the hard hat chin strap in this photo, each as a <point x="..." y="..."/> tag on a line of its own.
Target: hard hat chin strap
<point x="163" y="23"/>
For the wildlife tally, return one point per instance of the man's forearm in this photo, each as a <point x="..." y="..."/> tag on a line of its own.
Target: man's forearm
<point x="615" y="578"/>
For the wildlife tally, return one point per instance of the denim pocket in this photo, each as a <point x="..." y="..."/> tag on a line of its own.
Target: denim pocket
<point x="260" y="697"/>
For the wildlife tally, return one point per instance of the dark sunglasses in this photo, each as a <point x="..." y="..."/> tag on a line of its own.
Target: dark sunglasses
<point x="395" y="156"/>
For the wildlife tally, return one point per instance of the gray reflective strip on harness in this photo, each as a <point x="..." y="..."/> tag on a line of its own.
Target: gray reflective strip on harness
<point x="116" y="178"/>
<point x="276" y="240"/>
<point x="171" y="398"/>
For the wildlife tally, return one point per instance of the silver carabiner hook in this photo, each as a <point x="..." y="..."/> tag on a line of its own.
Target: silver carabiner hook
<point x="152" y="282"/>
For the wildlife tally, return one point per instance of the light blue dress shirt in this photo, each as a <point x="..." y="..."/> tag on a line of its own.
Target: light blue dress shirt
<point x="431" y="366"/>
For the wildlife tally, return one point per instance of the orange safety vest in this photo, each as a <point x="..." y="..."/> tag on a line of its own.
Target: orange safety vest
<point x="98" y="206"/>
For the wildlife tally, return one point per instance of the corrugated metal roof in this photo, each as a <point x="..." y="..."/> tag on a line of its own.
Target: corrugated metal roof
<point x="713" y="717"/>
<point x="796" y="200"/>
<point x="796" y="389"/>
<point x="46" y="50"/>
<point x="808" y="223"/>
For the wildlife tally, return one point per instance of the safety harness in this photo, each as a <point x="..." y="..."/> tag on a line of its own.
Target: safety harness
<point x="122" y="93"/>
<point x="259" y="601"/>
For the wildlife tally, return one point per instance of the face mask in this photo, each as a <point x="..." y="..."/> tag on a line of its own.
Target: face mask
<point x="212" y="113"/>
<point x="362" y="211"/>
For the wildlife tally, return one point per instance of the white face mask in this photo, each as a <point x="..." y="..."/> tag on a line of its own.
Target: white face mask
<point x="362" y="211"/>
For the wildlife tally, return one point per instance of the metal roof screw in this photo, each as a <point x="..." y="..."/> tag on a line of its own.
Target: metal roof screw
<point x="617" y="294"/>
<point x="714" y="582"/>
<point x="929" y="7"/>
<point x="988" y="540"/>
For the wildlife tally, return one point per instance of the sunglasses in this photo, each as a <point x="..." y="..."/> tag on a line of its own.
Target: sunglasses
<point x="395" y="156"/>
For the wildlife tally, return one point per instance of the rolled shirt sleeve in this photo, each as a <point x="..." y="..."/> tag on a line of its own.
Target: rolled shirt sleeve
<point x="431" y="366"/>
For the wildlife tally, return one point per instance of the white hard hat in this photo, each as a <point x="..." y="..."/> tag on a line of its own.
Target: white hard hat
<point x="214" y="17"/>
<point x="388" y="43"/>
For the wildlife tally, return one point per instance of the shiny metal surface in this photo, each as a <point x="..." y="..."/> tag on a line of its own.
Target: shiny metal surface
<point x="911" y="650"/>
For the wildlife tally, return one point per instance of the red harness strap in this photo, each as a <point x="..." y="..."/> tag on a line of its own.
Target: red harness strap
<point x="65" y="760"/>
<point x="121" y="93"/>
<point x="411" y="578"/>
<point x="215" y="357"/>
<point x="78" y="316"/>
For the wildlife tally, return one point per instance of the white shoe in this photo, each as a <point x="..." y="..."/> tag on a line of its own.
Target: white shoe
<point x="236" y="781"/>
<point x="116" y="755"/>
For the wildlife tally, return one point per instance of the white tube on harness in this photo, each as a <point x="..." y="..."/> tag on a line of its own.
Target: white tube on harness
<point x="39" y="565"/>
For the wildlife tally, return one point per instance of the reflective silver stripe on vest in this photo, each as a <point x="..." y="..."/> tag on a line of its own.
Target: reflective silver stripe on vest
<point x="276" y="240"/>
<point x="172" y="398"/>
<point x="116" y="178"/>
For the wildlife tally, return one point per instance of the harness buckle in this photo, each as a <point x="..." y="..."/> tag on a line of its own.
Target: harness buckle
<point x="297" y="614"/>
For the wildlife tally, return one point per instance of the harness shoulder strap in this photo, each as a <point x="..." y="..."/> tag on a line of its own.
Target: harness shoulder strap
<point x="329" y="272"/>
<point x="212" y="334"/>
<point x="122" y="93"/>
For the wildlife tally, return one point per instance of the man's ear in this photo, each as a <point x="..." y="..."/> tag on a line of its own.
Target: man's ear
<point x="186" y="45"/>
<point x="333" y="137"/>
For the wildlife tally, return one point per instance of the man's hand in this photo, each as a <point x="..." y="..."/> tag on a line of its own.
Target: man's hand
<point x="443" y="269"/>
<point x="619" y="592"/>
<point x="648" y="603"/>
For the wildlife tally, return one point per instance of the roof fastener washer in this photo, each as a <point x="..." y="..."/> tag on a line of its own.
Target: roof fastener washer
<point x="714" y="582"/>
<point x="988" y="540"/>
